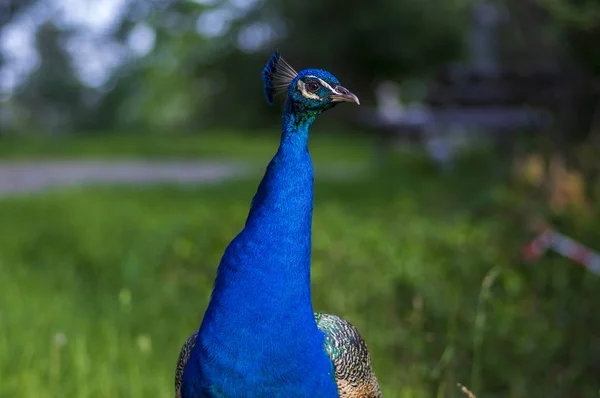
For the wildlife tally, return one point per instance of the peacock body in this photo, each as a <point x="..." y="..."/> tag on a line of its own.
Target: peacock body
<point x="260" y="336"/>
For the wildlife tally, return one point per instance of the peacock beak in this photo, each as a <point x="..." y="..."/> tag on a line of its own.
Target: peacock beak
<point x="342" y="94"/>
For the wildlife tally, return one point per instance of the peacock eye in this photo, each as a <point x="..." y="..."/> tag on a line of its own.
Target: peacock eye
<point x="313" y="86"/>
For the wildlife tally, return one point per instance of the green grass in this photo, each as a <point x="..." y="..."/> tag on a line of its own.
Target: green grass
<point x="253" y="145"/>
<point x="100" y="287"/>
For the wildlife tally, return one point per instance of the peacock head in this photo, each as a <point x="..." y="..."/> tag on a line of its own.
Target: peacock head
<point x="312" y="90"/>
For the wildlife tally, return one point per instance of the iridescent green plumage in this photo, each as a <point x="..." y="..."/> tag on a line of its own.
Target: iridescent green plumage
<point x="348" y="352"/>
<point x="346" y="348"/>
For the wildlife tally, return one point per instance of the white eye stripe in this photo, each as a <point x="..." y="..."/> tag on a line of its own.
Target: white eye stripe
<point x="305" y="93"/>
<point x="325" y="84"/>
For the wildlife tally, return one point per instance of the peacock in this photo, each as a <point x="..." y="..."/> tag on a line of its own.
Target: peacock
<point x="260" y="336"/>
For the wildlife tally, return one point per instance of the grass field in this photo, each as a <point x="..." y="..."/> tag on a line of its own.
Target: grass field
<point x="99" y="287"/>
<point x="257" y="146"/>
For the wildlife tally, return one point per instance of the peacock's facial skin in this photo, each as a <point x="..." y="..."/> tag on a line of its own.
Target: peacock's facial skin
<point x="316" y="89"/>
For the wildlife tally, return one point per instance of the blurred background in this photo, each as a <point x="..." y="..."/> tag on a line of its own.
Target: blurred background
<point x="133" y="135"/>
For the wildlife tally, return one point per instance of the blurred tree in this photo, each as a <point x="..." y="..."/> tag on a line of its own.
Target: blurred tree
<point x="9" y="9"/>
<point x="52" y="95"/>
<point x="579" y="20"/>
<point x="159" y="90"/>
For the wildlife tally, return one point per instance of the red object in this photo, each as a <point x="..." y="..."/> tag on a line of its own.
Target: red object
<point x="532" y="252"/>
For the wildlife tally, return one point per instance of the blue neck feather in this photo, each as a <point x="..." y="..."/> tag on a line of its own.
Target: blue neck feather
<point x="259" y="336"/>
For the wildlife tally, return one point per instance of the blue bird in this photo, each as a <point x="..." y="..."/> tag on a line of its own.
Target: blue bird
<point x="260" y="336"/>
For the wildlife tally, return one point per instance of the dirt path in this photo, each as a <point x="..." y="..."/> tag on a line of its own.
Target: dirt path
<point x="24" y="177"/>
<point x="32" y="176"/>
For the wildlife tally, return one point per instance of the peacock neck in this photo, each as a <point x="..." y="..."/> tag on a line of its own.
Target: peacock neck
<point x="285" y="194"/>
<point x="259" y="325"/>
<point x="267" y="266"/>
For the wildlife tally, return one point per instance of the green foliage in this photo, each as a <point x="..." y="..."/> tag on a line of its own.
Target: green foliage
<point x="252" y="146"/>
<point x="578" y="24"/>
<point x="191" y="80"/>
<point x="356" y="39"/>
<point x="99" y="288"/>
<point x="581" y="14"/>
